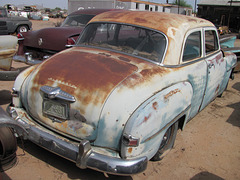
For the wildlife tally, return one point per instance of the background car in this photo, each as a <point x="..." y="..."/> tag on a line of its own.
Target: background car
<point x="36" y="46"/>
<point x="118" y="97"/>
<point x="15" y="24"/>
<point x="8" y="47"/>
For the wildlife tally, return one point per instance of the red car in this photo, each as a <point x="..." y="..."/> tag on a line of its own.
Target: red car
<point x="36" y="46"/>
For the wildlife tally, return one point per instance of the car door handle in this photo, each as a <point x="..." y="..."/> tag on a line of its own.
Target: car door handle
<point x="210" y="66"/>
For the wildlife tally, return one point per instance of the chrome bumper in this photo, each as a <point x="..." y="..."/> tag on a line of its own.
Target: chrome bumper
<point x="27" y="58"/>
<point x="82" y="154"/>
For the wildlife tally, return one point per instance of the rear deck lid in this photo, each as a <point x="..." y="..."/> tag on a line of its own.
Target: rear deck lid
<point x="68" y="91"/>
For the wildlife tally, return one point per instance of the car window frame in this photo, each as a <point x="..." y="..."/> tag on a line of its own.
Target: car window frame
<point x="217" y="38"/>
<point x="159" y="62"/>
<point x="181" y="62"/>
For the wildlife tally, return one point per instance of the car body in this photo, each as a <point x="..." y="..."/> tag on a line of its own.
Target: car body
<point x="3" y="28"/>
<point x="36" y="46"/>
<point x="15" y="24"/>
<point x="8" y="47"/>
<point x="117" y="98"/>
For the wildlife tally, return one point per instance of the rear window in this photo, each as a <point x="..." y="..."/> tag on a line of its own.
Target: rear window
<point x="77" y="20"/>
<point x="128" y="39"/>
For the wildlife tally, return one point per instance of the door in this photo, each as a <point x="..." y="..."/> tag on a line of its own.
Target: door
<point x="216" y="66"/>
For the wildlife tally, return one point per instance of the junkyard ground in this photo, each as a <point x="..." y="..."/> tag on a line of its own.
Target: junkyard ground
<point x="208" y="148"/>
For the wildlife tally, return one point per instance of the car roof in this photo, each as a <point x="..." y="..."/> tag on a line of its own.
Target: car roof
<point x="174" y="26"/>
<point x="90" y="11"/>
<point x="155" y="20"/>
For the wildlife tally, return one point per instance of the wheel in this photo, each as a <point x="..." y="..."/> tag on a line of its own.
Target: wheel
<point x="8" y="148"/>
<point x="167" y="142"/>
<point x="22" y="28"/>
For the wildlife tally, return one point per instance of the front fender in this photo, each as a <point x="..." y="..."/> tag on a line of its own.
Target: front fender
<point x="153" y="117"/>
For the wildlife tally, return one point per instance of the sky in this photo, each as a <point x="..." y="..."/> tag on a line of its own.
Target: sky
<point x="63" y="4"/>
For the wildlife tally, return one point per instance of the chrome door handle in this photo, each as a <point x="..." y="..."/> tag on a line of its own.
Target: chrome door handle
<point x="210" y="66"/>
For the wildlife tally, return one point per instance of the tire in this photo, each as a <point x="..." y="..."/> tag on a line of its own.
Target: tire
<point x="22" y="28"/>
<point x="167" y="142"/>
<point x="8" y="75"/>
<point x="8" y="148"/>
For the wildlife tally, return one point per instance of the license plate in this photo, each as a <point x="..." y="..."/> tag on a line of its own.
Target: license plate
<point x="55" y="109"/>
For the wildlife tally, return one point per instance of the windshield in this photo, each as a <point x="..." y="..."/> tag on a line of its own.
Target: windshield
<point x="128" y="39"/>
<point x="77" y="20"/>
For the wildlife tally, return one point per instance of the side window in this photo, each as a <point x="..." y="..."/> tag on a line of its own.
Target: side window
<point x="192" y="48"/>
<point x="211" y="43"/>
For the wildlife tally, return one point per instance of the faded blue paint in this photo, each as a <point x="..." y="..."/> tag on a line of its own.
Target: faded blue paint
<point x="153" y="115"/>
<point x="110" y="140"/>
<point x="216" y="72"/>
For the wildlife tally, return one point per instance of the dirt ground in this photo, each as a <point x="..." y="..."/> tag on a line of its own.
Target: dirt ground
<point x="208" y="148"/>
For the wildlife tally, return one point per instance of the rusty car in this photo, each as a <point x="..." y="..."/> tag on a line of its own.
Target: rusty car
<point x="117" y="98"/>
<point x="36" y="46"/>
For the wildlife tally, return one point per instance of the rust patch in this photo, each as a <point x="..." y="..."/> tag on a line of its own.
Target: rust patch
<point x="155" y="105"/>
<point x="144" y="76"/>
<point x="171" y="93"/>
<point x="108" y="55"/>
<point x="91" y="75"/>
<point x="216" y="91"/>
<point x="129" y="150"/>
<point x="140" y="20"/>
<point x="124" y="59"/>
<point x="219" y="58"/>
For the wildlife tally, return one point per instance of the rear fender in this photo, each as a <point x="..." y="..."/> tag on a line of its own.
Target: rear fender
<point x="231" y="62"/>
<point x="151" y="119"/>
<point x="18" y="85"/>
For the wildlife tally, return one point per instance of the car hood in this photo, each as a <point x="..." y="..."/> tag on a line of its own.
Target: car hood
<point x="53" y="39"/>
<point x="90" y="77"/>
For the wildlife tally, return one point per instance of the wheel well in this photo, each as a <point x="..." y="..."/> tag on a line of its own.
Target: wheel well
<point x="181" y="122"/>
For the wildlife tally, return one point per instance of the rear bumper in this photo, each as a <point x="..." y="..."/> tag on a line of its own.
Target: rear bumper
<point x="27" y="58"/>
<point x="82" y="154"/>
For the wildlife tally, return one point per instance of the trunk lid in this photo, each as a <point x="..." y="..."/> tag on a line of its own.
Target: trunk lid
<point x="88" y="76"/>
<point x="50" y="38"/>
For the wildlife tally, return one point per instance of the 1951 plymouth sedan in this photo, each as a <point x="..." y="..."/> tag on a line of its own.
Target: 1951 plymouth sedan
<point x="117" y="98"/>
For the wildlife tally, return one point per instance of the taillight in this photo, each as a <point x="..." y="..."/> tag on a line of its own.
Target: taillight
<point x="130" y="141"/>
<point x="20" y="36"/>
<point x="71" y="41"/>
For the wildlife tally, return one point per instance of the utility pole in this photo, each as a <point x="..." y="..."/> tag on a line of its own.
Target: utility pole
<point x="195" y="7"/>
<point x="178" y="5"/>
